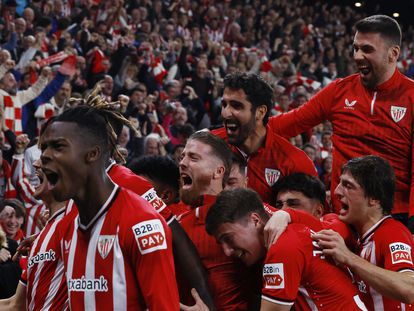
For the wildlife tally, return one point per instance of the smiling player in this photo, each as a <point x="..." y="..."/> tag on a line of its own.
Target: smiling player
<point x="246" y="105"/>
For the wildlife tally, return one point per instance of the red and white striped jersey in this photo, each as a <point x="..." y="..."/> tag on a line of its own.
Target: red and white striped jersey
<point x="125" y="178"/>
<point x="296" y="272"/>
<point x="389" y="245"/>
<point x="46" y="286"/>
<point x="33" y="206"/>
<point x="122" y="259"/>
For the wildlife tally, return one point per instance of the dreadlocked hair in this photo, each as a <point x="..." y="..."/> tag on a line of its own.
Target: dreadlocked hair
<point x="95" y="113"/>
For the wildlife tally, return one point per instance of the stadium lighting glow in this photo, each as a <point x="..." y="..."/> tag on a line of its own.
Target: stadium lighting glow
<point x="358" y="4"/>
<point x="396" y="14"/>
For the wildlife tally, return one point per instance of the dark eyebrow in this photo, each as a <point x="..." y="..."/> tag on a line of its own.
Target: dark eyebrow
<point x="53" y="141"/>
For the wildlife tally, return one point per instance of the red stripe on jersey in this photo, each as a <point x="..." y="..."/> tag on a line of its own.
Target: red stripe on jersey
<point x="379" y="245"/>
<point x="107" y="268"/>
<point x="32" y="213"/>
<point x="46" y="288"/>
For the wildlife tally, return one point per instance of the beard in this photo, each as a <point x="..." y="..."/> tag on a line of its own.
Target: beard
<point x="244" y="132"/>
<point x="198" y="188"/>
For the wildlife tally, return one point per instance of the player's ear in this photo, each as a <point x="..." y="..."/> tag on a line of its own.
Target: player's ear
<point x="373" y="202"/>
<point x="256" y="219"/>
<point x="393" y="53"/>
<point x="319" y="211"/>
<point x="219" y="173"/>
<point x="261" y="112"/>
<point x="93" y="154"/>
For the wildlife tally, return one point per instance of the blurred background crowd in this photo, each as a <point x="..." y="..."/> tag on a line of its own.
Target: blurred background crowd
<point x="169" y="58"/>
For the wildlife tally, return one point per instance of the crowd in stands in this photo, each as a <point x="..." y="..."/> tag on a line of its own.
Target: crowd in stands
<point x="164" y="62"/>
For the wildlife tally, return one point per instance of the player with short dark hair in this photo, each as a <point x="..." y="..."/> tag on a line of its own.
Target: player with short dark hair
<point x="295" y="270"/>
<point x="371" y="111"/>
<point x="246" y="105"/>
<point x="385" y="25"/>
<point x="382" y="265"/>
<point x="301" y="191"/>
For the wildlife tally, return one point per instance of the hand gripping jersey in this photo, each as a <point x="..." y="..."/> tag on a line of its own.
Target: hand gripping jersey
<point x="276" y="159"/>
<point x="389" y="245"/>
<point x="226" y="277"/>
<point x="122" y="259"/>
<point x="46" y="285"/>
<point x="296" y="272"/>
<point x="327" y="221"/>
<point x="378" y="122"/>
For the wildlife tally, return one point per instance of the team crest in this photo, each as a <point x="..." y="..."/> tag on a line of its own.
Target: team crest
<point x="272" y="176"/>
<point x="105" y="243"/>
<point x="397" y="113"/>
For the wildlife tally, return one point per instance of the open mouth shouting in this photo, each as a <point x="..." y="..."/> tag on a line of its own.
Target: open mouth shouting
<point x="232" y="127"/>
<point x="344" y="210"/>
<point x="42" y="187"/>
<point x="186" y="181"/>
<point x="364" y="69"/>
<point x="51" y="177"/>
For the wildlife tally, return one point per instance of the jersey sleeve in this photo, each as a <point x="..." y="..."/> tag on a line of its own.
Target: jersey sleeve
<point x="331" y="221"/>
<point x="283" y="268"/>
<point x="151" y="196"/>
<point x="150" y="249"/>
<point x="396" y="251"/>
<point x="411" y="201"/>
<point x="304" y="218"/>
<point x="299" y="120"/>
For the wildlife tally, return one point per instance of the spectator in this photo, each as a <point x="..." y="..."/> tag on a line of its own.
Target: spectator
<point x="11" y="218"/>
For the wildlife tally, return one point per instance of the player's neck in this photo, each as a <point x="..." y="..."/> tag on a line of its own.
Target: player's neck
<point x="55" y="206"/>
<point x="386" y="77"/>
<point x="367" y="223"/>
<point x="93" y="196"/>
<point x="255" y="140"/>
<point x="213" y="189"/>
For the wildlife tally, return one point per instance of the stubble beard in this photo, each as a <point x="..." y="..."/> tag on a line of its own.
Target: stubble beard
<point x="200" y="185"/>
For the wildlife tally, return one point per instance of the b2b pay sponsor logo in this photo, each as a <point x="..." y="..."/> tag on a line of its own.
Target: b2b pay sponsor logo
<point x="150" y="236"/>
<point x="273" y="275"/>
<point x="400" y="252"/>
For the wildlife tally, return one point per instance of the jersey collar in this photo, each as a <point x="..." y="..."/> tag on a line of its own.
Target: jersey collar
<point x="371" y="230"/>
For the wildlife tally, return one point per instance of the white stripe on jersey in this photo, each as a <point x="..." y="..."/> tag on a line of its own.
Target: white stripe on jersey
<point x="376" y="297"/>
<point x="72" y="249"/>
<point x="90" y="303"/>
<point x="54" y="285"/>
<point x="69" y="206"/>
<point x="119" y="277"/>
<point x="29" y="219"/>
<point x="41" y="264"/>
<point x="359" y="303"/>
<point x="309" y="300"/>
